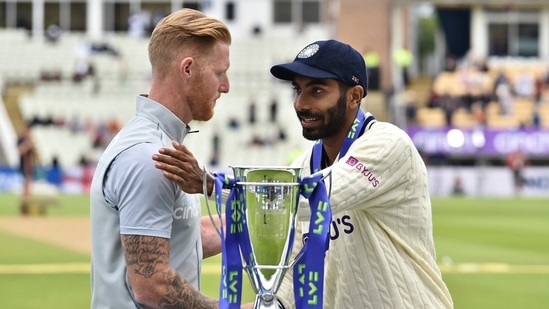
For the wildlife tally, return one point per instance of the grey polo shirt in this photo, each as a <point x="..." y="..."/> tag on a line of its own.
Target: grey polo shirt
<point x="130" y="196"/>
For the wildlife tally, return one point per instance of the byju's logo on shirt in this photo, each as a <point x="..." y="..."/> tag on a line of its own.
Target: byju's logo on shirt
<point x="339" y="227"/>
<point x="352" y="161"/>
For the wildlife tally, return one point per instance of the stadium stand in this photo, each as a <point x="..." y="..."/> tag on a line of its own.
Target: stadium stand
<point x="503" y="93"/>
<point x="73" y="113"/>
<point x="431" y="117"/>
<point x="462" y="119"/>
<point x="83" y="109"/>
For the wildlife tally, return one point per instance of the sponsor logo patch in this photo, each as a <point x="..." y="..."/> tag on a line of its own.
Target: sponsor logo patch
<point x="352" y="161"/>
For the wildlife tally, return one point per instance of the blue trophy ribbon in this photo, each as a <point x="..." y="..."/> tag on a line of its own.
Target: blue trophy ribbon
<point x="309" y="269"/>
<point x="231" y="272"/>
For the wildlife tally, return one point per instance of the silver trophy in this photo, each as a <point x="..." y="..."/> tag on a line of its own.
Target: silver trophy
<point x="270" y="199"/>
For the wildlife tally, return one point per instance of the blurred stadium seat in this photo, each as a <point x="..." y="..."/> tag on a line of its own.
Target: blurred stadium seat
<point x="118" y="79"/>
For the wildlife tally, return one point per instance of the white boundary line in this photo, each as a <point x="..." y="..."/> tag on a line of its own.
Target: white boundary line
<point x="71" y="268"/>
<point x="493" y="268"/>
<point x="212" y="269"/>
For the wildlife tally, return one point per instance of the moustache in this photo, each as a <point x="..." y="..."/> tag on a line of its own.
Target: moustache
<point x="308" y="115"/>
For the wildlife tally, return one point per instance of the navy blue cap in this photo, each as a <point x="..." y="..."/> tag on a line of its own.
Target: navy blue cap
<point x="329" y="59"/>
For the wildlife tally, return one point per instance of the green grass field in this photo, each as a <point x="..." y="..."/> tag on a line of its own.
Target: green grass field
<point x="494" y="253"/>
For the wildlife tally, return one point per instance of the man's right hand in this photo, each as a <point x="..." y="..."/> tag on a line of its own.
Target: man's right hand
<point x="180" y="166"/>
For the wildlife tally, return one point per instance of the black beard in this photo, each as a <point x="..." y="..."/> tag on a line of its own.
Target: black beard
<point x="335" y="116"/>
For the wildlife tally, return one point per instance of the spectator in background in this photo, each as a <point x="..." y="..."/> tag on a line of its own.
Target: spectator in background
<point x="538" y="89"/>
<point x="505" y="98"/>
<point x="252" y="112"/>
<point x="411" y="105"/>
<point x="501" y="78"/>
<point x="478" y="113"/>
<point x="81" y="62"/>
<point x="273" y="110"/>
<point x="104" y="48"/>
<point x="449" y="105"/>
<point x="282" y="135"/>
<point x="113" y="126"/>
<point x="87" y="172"/>
<point x="94" y="76"/>
<point x="80" y="72"/>
<point x="54" y="174"/>
<point x="100" y="134"/>
<point x="536" y="117"/>
<point x="457" y="188"/>
<point x="216" y="149"/>
<point x="545" y="78"/>
<point x="139" y="24"/>
<point x="233" y="123"/>
<point x="403" y="59"/>
<point x="450" y="63"/>
<point x="26" y="149"/>
<point x="75" y="124"/>
<point x="371" y="57"/>
<point x="53" y="33"/>
<point x="517" y="161"/>
<point x="524" y="85"/>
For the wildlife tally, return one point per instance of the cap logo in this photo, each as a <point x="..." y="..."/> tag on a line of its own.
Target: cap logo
<point x="355" y="79"/>
<point x="308" y="51"/>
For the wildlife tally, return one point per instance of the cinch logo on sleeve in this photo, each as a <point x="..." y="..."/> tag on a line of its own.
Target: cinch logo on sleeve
<point x="188" y="208"/>
<point x="352" y="161"/>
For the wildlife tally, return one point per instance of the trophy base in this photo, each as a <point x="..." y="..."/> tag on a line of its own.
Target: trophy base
<point x="265" y="301"/>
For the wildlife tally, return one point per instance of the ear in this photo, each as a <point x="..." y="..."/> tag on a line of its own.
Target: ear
<point x="355" y="95"/>
<point x="186" y="66"/>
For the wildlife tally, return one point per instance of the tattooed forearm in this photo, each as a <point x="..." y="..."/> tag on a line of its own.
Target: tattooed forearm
<point x="145" y="253"/>
<point x="181" y="294"/>
<point x="154" y="282"/>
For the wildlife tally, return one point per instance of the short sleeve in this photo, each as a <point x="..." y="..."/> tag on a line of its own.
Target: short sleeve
<point x="143" y="195"/>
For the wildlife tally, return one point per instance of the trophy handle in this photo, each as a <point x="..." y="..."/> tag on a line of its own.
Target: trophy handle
<point x="218" y="229"/>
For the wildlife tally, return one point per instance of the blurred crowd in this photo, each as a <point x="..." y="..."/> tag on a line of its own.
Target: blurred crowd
<point x="479" y="89"/>
<point x="100" y="132"/>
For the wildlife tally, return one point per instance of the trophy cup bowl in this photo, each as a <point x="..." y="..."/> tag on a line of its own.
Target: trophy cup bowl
<point x="270" y="200"/>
